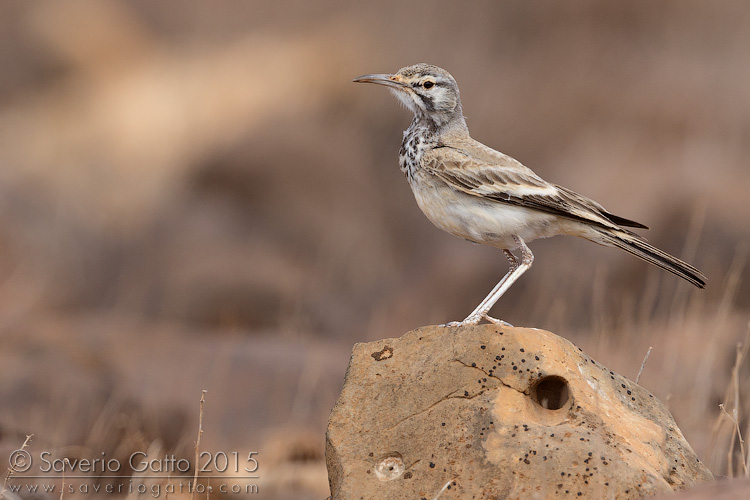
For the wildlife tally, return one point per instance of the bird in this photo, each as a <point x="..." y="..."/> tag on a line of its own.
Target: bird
<point x="482" y="195"/>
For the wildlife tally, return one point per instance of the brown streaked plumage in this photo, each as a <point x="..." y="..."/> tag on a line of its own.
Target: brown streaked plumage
<point x="482" y="195"/>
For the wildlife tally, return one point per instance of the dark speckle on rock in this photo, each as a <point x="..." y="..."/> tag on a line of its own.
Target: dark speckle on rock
<point x="385" y="353"/>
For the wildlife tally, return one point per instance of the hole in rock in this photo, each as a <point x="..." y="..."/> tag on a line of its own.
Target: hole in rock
<point x="551" y="392"/>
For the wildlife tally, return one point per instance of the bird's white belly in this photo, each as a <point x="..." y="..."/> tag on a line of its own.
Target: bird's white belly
<point x="481" y="220"/>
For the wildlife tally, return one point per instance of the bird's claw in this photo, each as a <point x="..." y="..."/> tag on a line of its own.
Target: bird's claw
<point x="497" y="321"/>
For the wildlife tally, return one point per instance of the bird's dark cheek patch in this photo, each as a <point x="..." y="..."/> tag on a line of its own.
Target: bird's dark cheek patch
<point x="429" y="103"/>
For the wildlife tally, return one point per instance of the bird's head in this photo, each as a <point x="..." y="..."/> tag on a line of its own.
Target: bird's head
<point x="428" y="91"/>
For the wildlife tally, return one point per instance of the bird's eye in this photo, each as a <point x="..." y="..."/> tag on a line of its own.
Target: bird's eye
<point x="428" y="84"/>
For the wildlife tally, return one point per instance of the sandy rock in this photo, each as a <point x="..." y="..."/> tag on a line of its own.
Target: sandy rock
<point x="498" y="413"/>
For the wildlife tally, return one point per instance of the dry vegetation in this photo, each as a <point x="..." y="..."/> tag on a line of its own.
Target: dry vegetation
<point x="196" y="197"/>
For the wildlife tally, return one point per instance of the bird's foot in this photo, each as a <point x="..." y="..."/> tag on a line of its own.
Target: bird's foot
<point x="475" y="319"/>
<point x="471" y="320"/>
<point x="452" y="324"/>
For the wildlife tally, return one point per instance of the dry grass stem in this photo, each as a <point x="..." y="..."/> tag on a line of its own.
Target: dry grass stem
<point x="741" y="353"/>
<point x="734" y="392"/>
<point x="679" y="305"/>
<point x="11" y="469"/>
<point x="198" y="442"/>
<point x="746" y="456"/>
<point x="734" y="277"/>
<point x="643" y="365"/>
<point x="62" y="488"/>
<point x="442" y="490"/>
<point x="735" y="433"/>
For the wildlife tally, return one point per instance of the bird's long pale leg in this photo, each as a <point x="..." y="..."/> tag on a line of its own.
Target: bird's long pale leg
<point x="490" y="299"/>
<point x="516" y="270"/>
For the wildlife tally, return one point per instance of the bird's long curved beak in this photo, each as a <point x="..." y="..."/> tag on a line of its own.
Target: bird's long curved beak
<point x="391" y="81"/>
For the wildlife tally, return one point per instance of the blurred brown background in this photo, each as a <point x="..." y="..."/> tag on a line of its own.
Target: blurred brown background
<point x="193" y="195"/>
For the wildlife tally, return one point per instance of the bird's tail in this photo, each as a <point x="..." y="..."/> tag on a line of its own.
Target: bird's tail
<point x="635" y="245"/>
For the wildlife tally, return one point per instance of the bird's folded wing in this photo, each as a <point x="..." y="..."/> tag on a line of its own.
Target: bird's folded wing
<point x="506" y="180"/>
